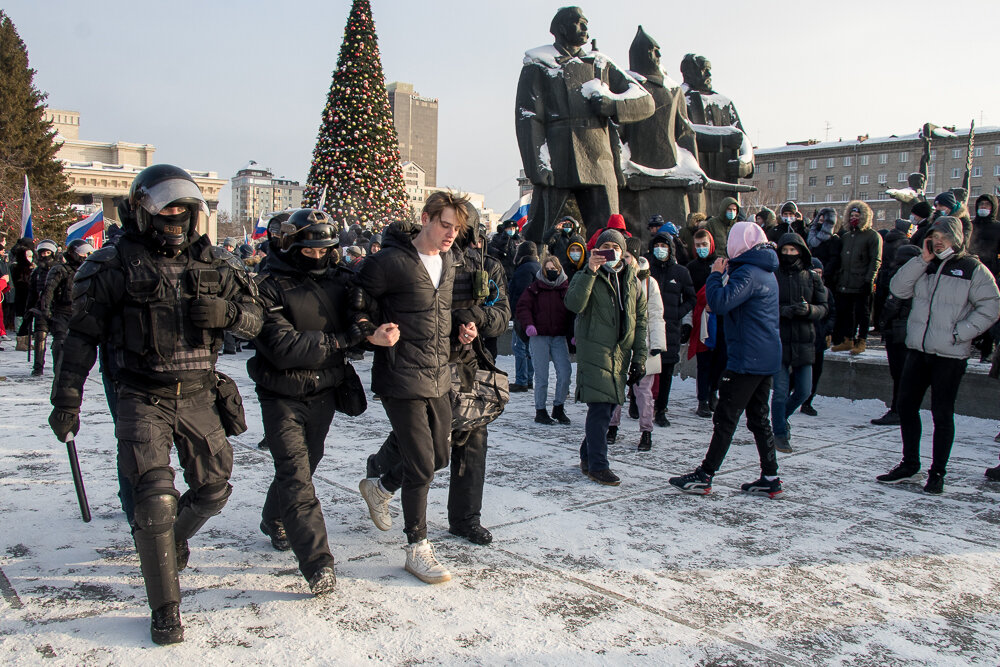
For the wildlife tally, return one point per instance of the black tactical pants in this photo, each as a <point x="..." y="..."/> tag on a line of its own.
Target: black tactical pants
<point x="468" y="474"/>
<point x="423" y="429"/>
<point x="296" y="431"/>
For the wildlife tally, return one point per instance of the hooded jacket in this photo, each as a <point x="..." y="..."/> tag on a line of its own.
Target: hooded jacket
<point x="526" y="268"/>
<point x="417" y="365"/>
<point x="610" y="331"/>
<point x="569" y="266"/>
<point x="719" y="225"/>
<point x="797" y="285"/>
<point x="656" y="334"/>
<point x="896" y="311"/>
<point x="542" y="305"/>
<point x="748" y="304"/>
<point x="557" y="242"/>
<point x="954" y="300"/>
<point x="985" y="242"/>
<point x="770" y="221"/>
<point x="676" y="291"/>
<point x="860" y="253"/>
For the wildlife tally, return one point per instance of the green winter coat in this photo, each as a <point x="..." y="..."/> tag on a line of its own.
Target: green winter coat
<point x="605" y="348"/>
<point x="719" y="225"/>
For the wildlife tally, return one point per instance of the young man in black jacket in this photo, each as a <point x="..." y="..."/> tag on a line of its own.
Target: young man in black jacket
<point x="298" y="365"/>
<point x="408" y="286"/>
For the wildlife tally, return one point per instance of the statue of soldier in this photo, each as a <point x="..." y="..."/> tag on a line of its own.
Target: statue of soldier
<point x="568" y="99"/>
<point x="159" y="300"/>
<point x="725" y="154"/>
<point x="660" y="162"/>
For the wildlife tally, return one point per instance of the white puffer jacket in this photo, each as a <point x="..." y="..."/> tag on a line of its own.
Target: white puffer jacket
<point x="656" y="333"/>
<point x="951" y="305"/>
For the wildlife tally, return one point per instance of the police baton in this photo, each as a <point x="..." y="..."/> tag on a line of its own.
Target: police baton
<point x="74" y="466"/>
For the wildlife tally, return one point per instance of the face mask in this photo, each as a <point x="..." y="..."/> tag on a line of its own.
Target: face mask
<point x="575" y="256"/>
<point x="510" y="232"/>
<point x="946" y="253"/>
<point x="854" y="224"/>
<point x="610" y="266"/>
<point x="311" y="264"/>
<point x="661" y="253"/>
<point x="787" y="219"/>
<point x="983" y="212"/>
<point x="730" y="215"/>
<point x="172" y="229"/>
<point x="788" y="260"/>
<point x="551" y="274"/>
<point x="566" y="231"/>
<point x="702" y="251"/>
<point x="914" y="220"/>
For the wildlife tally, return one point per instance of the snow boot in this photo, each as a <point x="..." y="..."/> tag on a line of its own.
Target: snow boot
<point x="890" y="418"/>
<point x="559" y="414"/>
<point x="323" y="581"/>
<point x="935" y="483"/>
<point x="661" y="419"/>
<point x="542" y="417"/>
<point x="859" y="346"/>
<point x="476" y="533"/>
<point x="165" y="624"/>
<point x="703" y="409"/>
<point x="612" y="435"/>
<point x="276" y="532"/>
<point x="843" y="346"/>
<point x="993" y="473"/>
<point x="605" y="477"/>
<point x="645" y="441"/>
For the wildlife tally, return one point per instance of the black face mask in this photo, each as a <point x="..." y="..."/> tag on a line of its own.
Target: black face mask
<point x="551" y="274"/>
<point x="789" y="261"/>
<point x="172" y="230"/>
<point x="311" y="264"/>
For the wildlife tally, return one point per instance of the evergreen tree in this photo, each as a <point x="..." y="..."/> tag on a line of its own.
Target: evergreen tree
<point x="27" y="146"/>
<point x="356" y="155"/>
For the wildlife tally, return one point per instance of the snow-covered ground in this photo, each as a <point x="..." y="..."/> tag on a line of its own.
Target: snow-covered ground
<point x="841" y="571"/>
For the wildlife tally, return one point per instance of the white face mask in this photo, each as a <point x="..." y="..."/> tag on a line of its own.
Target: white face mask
<point x="946" y="253"/>
<point x="914" y="219"/>
<point x="983" y="212"/>
<point x="788" y="219"/>
<point x="575" y="256"/>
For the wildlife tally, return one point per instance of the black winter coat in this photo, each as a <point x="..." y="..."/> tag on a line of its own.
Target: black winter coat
<point x="502" y="248"/>
<point x="985" y="243"/>
<point x="524" y="275"/>
<point x="798" y="285"/>
<point x="417" y="366"/>
<point x="677" y="292"/>
<point x="300" y="347"/>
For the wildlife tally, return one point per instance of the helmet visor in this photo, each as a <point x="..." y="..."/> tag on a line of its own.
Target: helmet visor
<point x="157" y="197"/>
<point x="320" y="235"/>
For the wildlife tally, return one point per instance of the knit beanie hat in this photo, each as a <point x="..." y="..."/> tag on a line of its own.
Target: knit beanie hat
<point x="743" y="236"/>
<point x="527" y="250"/>
<point x="657" y="220"/>
<point x="612" y="235"/>
<point x="817" y="263"/>
<point x="947" y="199"/>
<point x="921" y="209"/>
<point x="789" y="207"/>
<point x="634" y="246"/>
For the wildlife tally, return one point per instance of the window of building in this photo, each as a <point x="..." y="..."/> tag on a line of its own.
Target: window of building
<point x="904" y="156"/>
<point x="996" y="149"/>
<point x="883" y="179"/>
<point x="828" y="198"/>
<point x="956" y="154"/>
<point x="883" y="158"/>
<point x="770" y="184"/>
<point x="812" y="179"/>
<point x="847" y="160"/>
<point x="881" y="196"/>
<point x="812" y="163"/>
<point x="829" y="163"/>
<point x="996" y="170"/>
<point x="978" y="151"/>
<point x="955" y="172"/>
<point x="901" y="177"/>
<point x="847" y="179"/>
<point x="864" y="160"/>
<point x="793" y="186"/>
<point x="829" y="180"/>
<point x="977" y="171"/>
<point x="812" y="198"/>
<point x="975" y="190"/>
<point x="863" y="196"/>
<point x="770" y="167"/>
<point x="792" y="165"/>
<point x="880" y="215"/>
<point x="863" y="179"/>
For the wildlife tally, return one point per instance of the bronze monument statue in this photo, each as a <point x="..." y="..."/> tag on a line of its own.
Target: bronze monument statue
<point x="569" y="97"/>
<point x="724" y="151"/>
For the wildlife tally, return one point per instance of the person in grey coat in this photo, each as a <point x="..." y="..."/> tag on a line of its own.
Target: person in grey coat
<point x="955" y="299"/>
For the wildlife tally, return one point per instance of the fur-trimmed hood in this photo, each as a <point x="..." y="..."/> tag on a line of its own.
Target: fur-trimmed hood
<point x="866" y="216"/>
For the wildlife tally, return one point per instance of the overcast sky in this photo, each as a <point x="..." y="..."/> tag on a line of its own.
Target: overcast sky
<point x="215" y="84"/>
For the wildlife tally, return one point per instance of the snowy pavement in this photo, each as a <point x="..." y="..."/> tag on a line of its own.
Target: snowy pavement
<point x="841" y="571"/>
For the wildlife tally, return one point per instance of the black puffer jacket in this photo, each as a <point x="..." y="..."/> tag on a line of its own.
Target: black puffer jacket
<point x="417" y="366"/>
<point x="896" y="311"/>
<point x="798" y="285"/>
<point x="306" y="319"/>
<point x="985" y="243"/>
<point x="677" y="293"/>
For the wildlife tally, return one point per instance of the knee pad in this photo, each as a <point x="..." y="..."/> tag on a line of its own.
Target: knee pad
<point x="209" y="499"/>
<point x="155" y="513"/>
<point x="155" y="482"/>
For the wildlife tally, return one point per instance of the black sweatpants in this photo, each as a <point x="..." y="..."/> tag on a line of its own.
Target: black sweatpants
<point x="296" y="432"/>
<point x="738" y="392"/>
<point x="853" y="316"/>
<point x="896" y="353"/>
<point x="817" y="371"/>
<point x="423" y="429"/>
<point x="943" y="375"/>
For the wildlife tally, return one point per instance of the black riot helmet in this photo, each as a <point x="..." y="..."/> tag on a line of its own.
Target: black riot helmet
<point x="77" y="251"/>
<point x="309" y="228"/>
<point x="161" y="186"/>
<point x="274" y="225"/>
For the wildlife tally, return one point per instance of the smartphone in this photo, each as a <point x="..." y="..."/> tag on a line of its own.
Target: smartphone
<point x="929" y="245"/>
<point x="609" y="254"/>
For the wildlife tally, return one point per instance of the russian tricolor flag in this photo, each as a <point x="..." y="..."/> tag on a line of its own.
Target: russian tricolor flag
<point x="519" y="211"/>
<point x="260" y="229"/>
<point x="92" y="225"/>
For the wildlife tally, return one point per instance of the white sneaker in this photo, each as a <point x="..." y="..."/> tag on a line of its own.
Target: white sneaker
<point x="378" y="503"/>
<point x="421" y="563"/>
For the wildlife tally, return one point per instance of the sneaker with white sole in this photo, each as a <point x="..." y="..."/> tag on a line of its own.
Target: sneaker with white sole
<point x="902" y="474"/>
<point x="423" y="564"/>
<point x="378" y="503"/>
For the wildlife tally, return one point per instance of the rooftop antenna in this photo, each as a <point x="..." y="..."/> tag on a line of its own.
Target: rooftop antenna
<point x="828" y="128"/>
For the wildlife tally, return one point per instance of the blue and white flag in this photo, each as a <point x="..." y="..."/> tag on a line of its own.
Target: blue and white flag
<point x="26" y="232"/>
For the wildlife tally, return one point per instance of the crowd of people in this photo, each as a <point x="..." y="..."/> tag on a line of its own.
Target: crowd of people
<point x="754" y="300"/>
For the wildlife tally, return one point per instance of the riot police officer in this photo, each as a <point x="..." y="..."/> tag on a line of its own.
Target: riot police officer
<point x="45" y="254"/>
<point x="57" y="297"/>
<point x="159" y="300"/>
<point x="298" y="365"/>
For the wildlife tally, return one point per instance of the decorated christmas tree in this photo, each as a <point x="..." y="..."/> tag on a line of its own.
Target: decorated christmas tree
<point x="356" y="156"/>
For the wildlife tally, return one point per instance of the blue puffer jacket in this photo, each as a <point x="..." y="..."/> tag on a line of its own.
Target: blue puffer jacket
<point x="749" y="304"/>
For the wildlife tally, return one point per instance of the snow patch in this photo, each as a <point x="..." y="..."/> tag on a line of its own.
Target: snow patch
<point x="687" y="167"/>
<point x="597" y="88"/>
<point x="543" y="156"/>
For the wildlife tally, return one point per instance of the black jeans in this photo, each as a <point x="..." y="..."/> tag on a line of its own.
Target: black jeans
<point x="423" y="429"/>
<point x="296" y="431"/>
<point x="943" y="375"/>
<point x="663" y="393"/>
<point x="896" y="353"/>
<point x="468" y="474"/>
<point x="853" y="316"/>
<point x="738" y="392"/>
<point x="817" y="373"/>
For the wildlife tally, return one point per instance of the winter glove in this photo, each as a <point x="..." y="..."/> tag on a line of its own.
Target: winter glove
<point x="655" y="352"/>
<point x="635" y="373"/>
<point x="530" y="330"/>
<point x="65" y="423"/>
<point x="211" y="312"/>
<point x="356" y="334"/>
<point x="474" y="315"/>
<point x="685" y="331"/>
